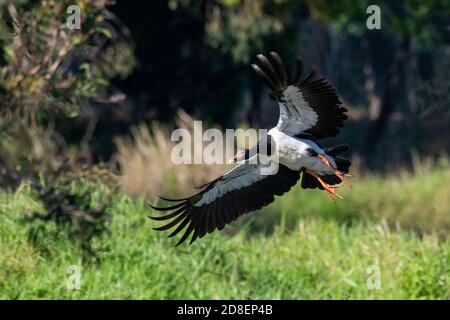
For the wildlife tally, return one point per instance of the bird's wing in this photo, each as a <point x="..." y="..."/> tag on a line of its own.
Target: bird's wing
<point x="241" y="190"/>
<point x="307" y="106"/>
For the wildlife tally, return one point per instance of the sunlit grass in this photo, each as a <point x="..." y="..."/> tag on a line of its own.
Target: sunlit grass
<point x="304" y="246"/>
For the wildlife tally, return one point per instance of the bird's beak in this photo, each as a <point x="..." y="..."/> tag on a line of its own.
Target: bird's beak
<point x="240" y="155"/>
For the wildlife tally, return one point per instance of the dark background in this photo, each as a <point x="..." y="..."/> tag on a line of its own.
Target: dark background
<point x="196" y="55"/>
<point x="378" y="73"/>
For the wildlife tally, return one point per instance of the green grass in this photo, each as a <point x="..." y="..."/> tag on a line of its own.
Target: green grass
<point x="303" y="246"/>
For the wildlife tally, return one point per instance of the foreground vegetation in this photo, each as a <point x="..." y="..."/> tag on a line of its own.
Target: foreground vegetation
<point x="304" y="246"/>
<point x="80" y="107"/>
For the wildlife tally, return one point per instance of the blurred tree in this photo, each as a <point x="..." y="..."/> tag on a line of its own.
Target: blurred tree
<point x="413" y="24"/>
<point x="194" y="54"/>
<point x="49" y="68"/>
<point x="50" y="74"/>
<point x="210" y="43"/>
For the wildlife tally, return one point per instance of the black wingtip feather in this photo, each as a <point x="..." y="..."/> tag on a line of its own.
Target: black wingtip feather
<point x="197" y="221"/>
<point x="172" y="223"/>
<point x="279" y="67"/>
<point x="266" y="63"/>
<point x="167" y="208"/>
<point x="273" y="75"/>
<point x="162" y="218"/>
<point x="170" y="215"/>
<point x="180" y="227"/>
<point x="186" y="234"/>
<point x="172" y="200"/>
<point x="264" y="77"/>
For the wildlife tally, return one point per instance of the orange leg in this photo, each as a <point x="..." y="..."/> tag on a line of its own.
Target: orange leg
<point x="326" y="186"/>
<point x="338" y="173"/>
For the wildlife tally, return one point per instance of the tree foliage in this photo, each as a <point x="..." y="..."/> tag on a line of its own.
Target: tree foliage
<point x="48" y="68"/>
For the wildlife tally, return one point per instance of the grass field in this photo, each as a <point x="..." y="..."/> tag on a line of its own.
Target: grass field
<point x="303" y="246"/>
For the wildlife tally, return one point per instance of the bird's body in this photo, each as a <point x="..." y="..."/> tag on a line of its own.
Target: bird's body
<point x="294" y="153"/>
<point x="310" y="110"/>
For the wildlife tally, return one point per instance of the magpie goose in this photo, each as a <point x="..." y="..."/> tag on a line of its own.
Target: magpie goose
<point x="310" y="110"/>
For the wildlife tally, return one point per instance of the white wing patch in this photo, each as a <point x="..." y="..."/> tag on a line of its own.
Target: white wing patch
<point x="239" y="177"/>
<point x="296" y="115"/>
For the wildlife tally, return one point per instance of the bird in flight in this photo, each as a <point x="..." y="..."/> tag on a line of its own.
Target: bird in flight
<point x="310" y="110"/>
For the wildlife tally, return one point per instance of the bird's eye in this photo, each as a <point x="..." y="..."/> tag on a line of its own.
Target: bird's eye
<point x="312" y="152"/>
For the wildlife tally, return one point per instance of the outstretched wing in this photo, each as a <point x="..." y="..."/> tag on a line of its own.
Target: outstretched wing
<point x="241" y="190"/>
<point x="306" y="106"/>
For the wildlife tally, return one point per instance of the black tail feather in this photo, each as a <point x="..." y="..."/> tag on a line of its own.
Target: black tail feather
<point x="343" y="165"/>
<point x="337" y="149"/>
<point x="310" y="182"/>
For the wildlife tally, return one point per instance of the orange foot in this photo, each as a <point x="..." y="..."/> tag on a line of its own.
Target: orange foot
<point x="338" y="173"/>
<point x="330" y="188"/>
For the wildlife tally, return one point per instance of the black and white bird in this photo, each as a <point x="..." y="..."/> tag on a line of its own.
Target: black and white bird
<point x="310" y="110"/>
